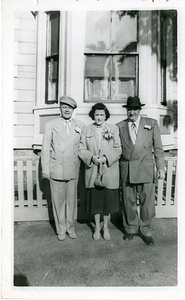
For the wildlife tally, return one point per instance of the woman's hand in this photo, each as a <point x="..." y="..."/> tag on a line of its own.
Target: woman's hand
<point x="103" y="159"/>
<point x="96" y="159"/>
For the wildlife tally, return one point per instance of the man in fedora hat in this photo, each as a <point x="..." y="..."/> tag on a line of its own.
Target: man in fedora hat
<point x="141" y="147"/>
<point x="60" y="164"/>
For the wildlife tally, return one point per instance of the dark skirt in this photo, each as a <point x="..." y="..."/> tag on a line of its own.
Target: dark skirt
<point x="103" y="201"/>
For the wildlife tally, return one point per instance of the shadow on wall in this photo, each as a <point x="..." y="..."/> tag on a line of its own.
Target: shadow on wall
<point x="20" y="280"/>
<point x="148" y="37"/>
<point x="171" y="117"/>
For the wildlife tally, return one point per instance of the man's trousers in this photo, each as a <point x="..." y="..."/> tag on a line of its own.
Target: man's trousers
<point x="64" y="203"/>
<point x="145" y="193"/>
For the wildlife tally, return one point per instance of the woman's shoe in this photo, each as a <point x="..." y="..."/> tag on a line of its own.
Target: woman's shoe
<point x="96" y="235"/>
<point x="106" y="234"/>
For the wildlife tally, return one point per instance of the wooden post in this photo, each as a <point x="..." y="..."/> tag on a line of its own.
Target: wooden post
<point x="29" y="183"/>
<point x="20" y="183"/>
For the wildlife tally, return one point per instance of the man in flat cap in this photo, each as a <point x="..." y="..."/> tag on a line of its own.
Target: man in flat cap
<point x="141" y="151"/>
<point x="60" y="164"/>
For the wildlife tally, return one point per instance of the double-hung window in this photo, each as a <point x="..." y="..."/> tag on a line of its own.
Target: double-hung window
<point x="111" y="58"/>
<point x="52" y="56"/>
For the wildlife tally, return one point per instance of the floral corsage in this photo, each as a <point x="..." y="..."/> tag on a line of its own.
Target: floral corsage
<point x="107" y="134"/>
<point x="78" y="130"/>
<point x="147" y="127"/>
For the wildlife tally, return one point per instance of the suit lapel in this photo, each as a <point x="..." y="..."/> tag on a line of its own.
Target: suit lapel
<point x="72" y="133"/>
<point x="61" y="130"/>
<point x="125" y="135"/>
<point x="94" y="133"/>
<point x="141" y="134"/>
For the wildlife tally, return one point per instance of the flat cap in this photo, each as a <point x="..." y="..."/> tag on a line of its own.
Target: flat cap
<point x="69" y="101"/>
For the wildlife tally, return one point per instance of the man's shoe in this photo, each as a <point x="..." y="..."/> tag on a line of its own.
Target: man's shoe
<point x="61" y="236"/>
<point x="149" y="241"/>
<point x="128" y="236"/>
<point x="72" y="235"/>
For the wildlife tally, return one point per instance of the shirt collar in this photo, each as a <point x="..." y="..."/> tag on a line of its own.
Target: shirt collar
<point x="64" y="120"/>
<point x="137" y="121"/>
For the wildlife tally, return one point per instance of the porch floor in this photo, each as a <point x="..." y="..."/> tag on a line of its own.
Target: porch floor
<point x="41" y="260"/>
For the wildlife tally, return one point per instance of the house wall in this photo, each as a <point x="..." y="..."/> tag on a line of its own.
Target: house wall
<point x="27" y="116"/>
<point x="24" y="79"/>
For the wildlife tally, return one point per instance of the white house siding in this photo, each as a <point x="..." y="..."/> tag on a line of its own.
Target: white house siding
<point x="24" y="78"/>
<point x="25" y="63"/>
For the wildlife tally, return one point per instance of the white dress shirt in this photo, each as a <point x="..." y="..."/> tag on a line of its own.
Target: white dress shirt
<point x="130" y="124"/>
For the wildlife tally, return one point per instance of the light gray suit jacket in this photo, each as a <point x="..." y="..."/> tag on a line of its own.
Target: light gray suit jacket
<point x="59" y="155"/>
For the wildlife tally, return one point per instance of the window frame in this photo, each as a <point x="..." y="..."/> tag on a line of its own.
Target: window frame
<point x="51" y="57"/>
<point x="40" y="95"/>
<point x="112" y="53"/>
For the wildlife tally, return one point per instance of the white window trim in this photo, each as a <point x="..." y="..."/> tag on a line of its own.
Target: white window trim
<point x="41" y="59"/>
<point x="40" y="107"/>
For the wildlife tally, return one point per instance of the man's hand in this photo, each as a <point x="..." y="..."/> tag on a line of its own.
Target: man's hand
<point x="96" y="159"/>
<point x="45" y="176"/>
<point x="161" y="174"/>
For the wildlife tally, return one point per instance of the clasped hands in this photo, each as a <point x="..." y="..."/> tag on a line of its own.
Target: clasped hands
<point x="96" y="159"/>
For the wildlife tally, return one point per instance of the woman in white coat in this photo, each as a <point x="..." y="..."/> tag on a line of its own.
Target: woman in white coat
<point x="100" y="146"/>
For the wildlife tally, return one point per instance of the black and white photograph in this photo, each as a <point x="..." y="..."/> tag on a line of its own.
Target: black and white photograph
<point x="92" y="199"/>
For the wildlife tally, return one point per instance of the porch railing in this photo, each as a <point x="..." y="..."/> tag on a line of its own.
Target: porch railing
<point x="166" y="190"/>
<point x="32" y="195"/>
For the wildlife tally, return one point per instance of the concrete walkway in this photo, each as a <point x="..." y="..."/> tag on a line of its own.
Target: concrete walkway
<point x="41" y="260"/>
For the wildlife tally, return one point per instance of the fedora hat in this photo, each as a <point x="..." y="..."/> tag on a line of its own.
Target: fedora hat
<point x="133" y="103"/>
<point x="69" y="101"/>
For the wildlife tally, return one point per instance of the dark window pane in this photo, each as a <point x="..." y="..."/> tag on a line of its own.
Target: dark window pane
<point x="123" y="82"/>
<point x="53" y="33"/>
<point x="97" y="77"/>
<point x="124" y="66"/>
<point x="97" y="66"/>
<point x="52" y="80"/>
